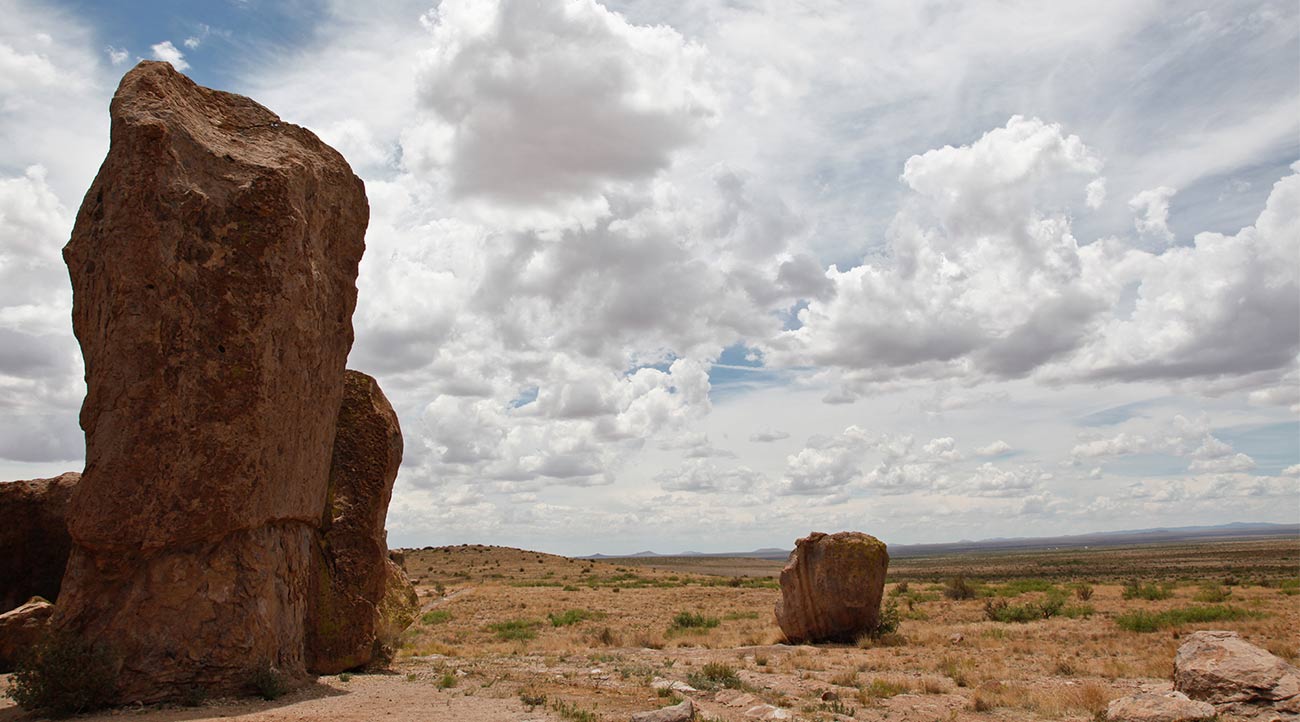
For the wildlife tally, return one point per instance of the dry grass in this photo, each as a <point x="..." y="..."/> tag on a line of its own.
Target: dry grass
<point x="620" y="627"/>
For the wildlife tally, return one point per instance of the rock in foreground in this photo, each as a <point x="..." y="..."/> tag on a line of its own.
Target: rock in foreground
<point x="1236" y="677"/>
<point x="1157" y="707"/>
<point x="831" y="587"/>
<point x="21" y="629"/>
<point x="683" y="712"/>
<point x="213" y="264"/>
<point x="34" y="540"/>
<point x="346" y="626"/>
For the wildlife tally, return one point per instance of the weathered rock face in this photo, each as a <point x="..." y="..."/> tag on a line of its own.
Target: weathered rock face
<point x="34" y="540"/>
<point x="831" y="587"/>
<point x="352" y="571"/>
<point x="213" y="266"/>
<point x="1236" y="677"/>
<point x="21" y="629"/>
<point x="1157" y="707"/>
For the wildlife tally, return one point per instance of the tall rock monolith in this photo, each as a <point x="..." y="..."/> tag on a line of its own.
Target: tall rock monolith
<point x="831" y="587"/>
<point x="213" y="264"/>
<point x="348" y="623"/>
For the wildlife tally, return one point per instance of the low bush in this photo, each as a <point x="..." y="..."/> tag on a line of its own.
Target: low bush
<point x="1149" y="592"/>
<point x="437" y="616"/>
<point x="958" y="588"/>
<point x="515" y="630"/>
<point x="693" y="621"/>
<point x="1142" y="621"/>
<point x="1083" y="591"/>
<point x="571" y="616"/>
<point x="1000" y="610"/>
<point x="63" y="676"/>
<point x="1213" y="593"/>
<point x="714" y="675"/>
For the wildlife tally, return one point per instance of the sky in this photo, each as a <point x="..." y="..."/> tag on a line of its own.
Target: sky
<point x="706" y="275"/>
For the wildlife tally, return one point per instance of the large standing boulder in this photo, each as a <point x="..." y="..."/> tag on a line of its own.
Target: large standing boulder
<point x="34" y="540"/>
<point x="831" y="587"/>
<point x="1236" y="676"/>
<point x="352" y="573"/>
<point x="213" y="264"/>
<point x="21" y="629"/>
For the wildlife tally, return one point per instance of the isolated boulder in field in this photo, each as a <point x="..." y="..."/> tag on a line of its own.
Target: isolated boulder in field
<point x="34" y="540"/>
<point x="831" y="587"/>
<point x="21" y="629"/>
<point x="1236" y="676"/>
<point x="681" y="712"/>
<point x="353" y="572"/>
<point x="213" y="264"/>
<point x="1159" y="707"/>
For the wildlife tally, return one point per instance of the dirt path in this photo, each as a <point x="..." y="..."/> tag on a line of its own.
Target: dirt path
<point x="444" y="600"/>
<point x="363" y="698"/>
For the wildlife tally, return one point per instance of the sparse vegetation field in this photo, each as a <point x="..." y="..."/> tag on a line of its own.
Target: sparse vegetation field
<point x="506" y="634"/>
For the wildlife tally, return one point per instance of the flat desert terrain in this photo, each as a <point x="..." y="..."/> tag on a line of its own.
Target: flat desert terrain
<point x="508" y="634"/>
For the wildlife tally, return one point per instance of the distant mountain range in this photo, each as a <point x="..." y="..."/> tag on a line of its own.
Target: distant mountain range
<point x="1161" y="535"/>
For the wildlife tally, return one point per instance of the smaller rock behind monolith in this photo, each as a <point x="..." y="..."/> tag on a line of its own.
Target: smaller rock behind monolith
<point x="351" y="618"/>
<point x="34" y="541"/>
<point x="831" y="587"/>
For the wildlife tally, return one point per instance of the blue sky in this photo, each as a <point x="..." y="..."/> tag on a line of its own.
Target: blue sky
<point x="708" y="275"/>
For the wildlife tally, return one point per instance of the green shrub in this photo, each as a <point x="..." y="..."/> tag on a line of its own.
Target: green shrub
<point x="1083" y="591"/>
<point x="1016" y="587"/>
<point x="1149" y="592"/>
<point x="571" y="616"/>
<point x="268" y="683"/>
<point x="515" y="629"/>
<point x="959" y="588"/>
<point x="437" y="616"/>
<point x="714" y="675"/>
<point x="1000" y="610"/>
<point x="1213" y="593"/>
<point x="1142" y="621"/>
<point x="63" y="675"/>
<point x="447" y="680"/>
<point x="693" y="620"/>
<point x="883" y="689"/>
<point x="889" y="620"/>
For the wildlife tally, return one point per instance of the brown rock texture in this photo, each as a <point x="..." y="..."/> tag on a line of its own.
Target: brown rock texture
<point x="21" y="629"/>
<point x="1236" y="677"/>
<point x="681" y="712"/>
<point x="34" y="541"/>
<point x="213" y="264"/>
<point x="831" y="587"/>
<point x="1158" y="707"/>
<point x="352" y="571"/>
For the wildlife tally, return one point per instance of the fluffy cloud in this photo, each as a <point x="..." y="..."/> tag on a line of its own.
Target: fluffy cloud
<point x="1224" y="306"/>
<point x="169" y="53"/>
<point x="979" y="280"/>
<point x="1152" y="207"/>
<point x="537" y="102"/>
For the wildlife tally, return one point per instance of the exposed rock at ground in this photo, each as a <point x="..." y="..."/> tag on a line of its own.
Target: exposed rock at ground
<point x="831" y="587"/>
<point x="768" y="712"/>
<point x="683" y="712"/>
<point x="213" y="264"/>
<point x="1158" y="707"/>
<point x="735" y="698"/>
<point x="1236" y="676"/>
<point x="353" y="569"/>
<point x="21" y="629"/>
<point x="659" y="683"/>
<point x="34" y="541"/>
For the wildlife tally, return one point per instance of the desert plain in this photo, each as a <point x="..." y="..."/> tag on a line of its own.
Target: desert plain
<point x="1046" y="634"/>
